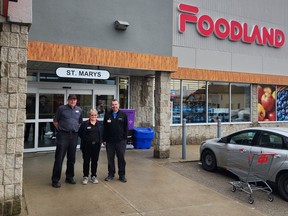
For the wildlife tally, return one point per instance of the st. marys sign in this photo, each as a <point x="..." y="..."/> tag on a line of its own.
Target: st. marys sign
<point x="232" y="30"/>
<point x="82" y="73"/>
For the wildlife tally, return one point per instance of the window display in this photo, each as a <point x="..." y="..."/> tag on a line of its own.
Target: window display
<point x="218" y="101"/>
<point x="266" y="102"/>
<point x="175" y="102"/>
<point x="206" y="102"/>
<point x="240" y="103"/>
<point x="194" y="101"/>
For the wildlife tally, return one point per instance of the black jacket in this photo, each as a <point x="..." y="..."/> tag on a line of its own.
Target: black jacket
<point x="85" y="135"/>
<point x="116" y="129"/>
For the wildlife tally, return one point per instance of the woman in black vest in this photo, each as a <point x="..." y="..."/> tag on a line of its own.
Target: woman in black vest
<point x="90" y="133"/>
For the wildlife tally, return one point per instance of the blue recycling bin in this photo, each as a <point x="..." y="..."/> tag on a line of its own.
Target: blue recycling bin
<point x="142" y="138"/>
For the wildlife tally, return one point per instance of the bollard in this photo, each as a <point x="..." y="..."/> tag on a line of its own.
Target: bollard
<point x="184" y="139"/>
<point x="218" y="128"/>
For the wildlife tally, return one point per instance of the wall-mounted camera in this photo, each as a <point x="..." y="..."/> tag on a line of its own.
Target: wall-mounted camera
<point x="121" y="25"/>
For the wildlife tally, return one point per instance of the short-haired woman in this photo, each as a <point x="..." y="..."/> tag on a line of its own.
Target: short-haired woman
<point x="90" y="133"/>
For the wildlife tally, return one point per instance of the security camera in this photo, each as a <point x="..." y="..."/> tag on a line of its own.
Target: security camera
<point x="121" y="25"/>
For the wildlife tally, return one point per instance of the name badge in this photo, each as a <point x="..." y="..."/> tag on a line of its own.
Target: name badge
<point x="109" y="121"/>
<point x="89" y="127"/>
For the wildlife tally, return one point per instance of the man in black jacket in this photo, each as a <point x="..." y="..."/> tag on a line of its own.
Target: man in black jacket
<point x="115" y="136"/>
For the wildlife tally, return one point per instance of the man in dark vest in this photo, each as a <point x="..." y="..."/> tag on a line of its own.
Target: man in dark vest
<point x="115" y="137"/>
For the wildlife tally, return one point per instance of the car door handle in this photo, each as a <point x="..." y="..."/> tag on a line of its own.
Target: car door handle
<point x="277" y="156"/>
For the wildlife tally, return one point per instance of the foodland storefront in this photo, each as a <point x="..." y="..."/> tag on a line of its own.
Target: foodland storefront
<point x="232" y="66"/>
<point x="224" y="53"/>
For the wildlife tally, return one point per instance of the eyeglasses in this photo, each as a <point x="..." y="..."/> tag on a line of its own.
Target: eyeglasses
<point x="93" y="115"/>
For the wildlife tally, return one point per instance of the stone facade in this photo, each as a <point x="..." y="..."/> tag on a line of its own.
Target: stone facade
<point x="162" y="115"/>
<point x="13" y="88"/>
<point x="143" y="93"/>
<point x="142" y="96"/>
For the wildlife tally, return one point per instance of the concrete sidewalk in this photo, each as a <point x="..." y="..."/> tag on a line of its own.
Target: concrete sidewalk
<point x="151" y="189"/>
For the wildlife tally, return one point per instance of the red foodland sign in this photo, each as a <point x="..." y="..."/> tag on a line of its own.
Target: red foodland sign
<point x="233" y="30"/>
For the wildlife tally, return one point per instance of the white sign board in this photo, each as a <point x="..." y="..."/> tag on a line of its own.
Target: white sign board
<point x="82" y="73"/>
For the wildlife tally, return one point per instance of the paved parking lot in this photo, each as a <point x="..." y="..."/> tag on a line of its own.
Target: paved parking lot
<point x="219" y="181"/>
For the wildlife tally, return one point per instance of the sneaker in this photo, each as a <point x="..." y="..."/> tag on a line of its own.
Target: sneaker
<point x="85" y="180"/>
<point x="94" y="180"/>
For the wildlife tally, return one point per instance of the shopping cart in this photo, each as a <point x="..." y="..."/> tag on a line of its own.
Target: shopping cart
<point x="252" y="175"/>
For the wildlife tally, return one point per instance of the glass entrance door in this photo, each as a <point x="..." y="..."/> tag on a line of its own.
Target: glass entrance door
<point x="40" y="109"/>
<point x="42" y="104"/>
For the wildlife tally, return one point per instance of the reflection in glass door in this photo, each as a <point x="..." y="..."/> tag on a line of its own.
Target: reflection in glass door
<point x="41" y="105"/>
<point x="29" y="133"/>
<point x="84" y="100"/>
<point x="48" y="104"/>
<point x="103" y="103"/>
<point x="40" y="109"/>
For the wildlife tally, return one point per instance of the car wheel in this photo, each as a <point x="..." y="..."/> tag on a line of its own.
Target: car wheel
<point x="283" y="186"/>
<point x="208" y="161"/>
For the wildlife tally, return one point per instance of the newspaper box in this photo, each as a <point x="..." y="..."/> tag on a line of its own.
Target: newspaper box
<point x="142" y="138"/>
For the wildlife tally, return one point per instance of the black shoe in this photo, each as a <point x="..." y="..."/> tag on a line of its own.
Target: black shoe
<point x="123" y="179"/>
<point x="109" y="178"/>
<point x="70" y="181"/>
<point x="56" y="184"/>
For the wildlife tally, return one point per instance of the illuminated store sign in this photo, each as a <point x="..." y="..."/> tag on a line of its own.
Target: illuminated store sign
<point x="82" y="73"/>
<point x="233" y="30"/>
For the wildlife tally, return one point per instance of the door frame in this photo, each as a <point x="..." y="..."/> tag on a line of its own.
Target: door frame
<point x="60" y="88"/>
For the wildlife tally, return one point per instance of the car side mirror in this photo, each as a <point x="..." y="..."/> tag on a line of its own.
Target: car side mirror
<point x="224" y="140"/>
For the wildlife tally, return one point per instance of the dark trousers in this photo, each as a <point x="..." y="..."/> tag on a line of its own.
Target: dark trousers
<point x="90" y="153"/>
<point x="119" y="149"/>
<point x="66" y="144"/>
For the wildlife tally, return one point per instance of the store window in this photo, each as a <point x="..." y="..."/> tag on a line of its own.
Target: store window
<point x="194" y="101"/>
<point x="218" y="101"/>
<point x="206" y="102"/>
<point x="240" y="103"/>
<point x="175" y="101"/>
<point x="123" y="92"/>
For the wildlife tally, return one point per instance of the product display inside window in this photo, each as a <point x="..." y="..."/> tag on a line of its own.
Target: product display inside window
<point x="194" y="101"/>
<point x="218" y="102"/>
<point x="175" y="101"/>
<point x="208" y="102"/>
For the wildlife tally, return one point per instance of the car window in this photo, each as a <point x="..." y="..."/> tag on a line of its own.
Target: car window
<point x="243" y="138"/>
<point x="268" y="140"/>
